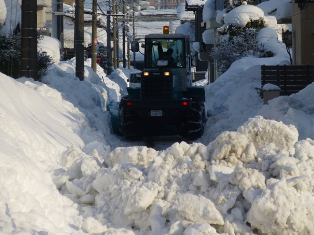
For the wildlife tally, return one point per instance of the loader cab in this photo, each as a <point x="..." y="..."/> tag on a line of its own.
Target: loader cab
<point x="165" y="53"/>
<point x="169" y="52"/>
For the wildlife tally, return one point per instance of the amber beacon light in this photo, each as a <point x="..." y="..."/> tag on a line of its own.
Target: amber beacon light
<point x="166" y="29"/>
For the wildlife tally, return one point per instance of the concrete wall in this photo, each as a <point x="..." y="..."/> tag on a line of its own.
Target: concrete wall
<point x="303" y="34"/>
<point x="41" y="17"/>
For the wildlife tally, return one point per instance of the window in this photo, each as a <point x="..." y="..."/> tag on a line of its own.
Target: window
<point x="163" y="49"/>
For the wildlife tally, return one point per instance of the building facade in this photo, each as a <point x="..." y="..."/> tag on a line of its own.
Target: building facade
<point x="303" y="32"/>
<point x="165" y="4"/>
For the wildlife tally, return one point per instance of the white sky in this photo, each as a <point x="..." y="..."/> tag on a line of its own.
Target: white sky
<point x="63" y="171"/>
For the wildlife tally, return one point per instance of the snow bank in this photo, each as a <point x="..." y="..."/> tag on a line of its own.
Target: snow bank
<point x="193" y="188"/>
<point x="196" y="188"/>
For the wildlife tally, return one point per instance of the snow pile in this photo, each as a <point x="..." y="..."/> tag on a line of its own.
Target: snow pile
<point x="296" y="109"/>
<point x="50" y="45"/>
<point x="266" y="34"/>
<point x="241" y="15"/>
<point x="272" y="5"/>
<point x="284" y="11"/>
<point x="216" y="187"/>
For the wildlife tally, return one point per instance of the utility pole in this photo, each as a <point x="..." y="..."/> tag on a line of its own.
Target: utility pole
<point x="60" y="35"/>
<point x="117" y="36"/>
<point x="29" y="39"/>
<point x="79" y="38"/>
<point x="123" y="35"/>
<point x="133" y="33"/>
<point x="108" y="43"/>
<point x="94" y="36"/>
<point x="128" y="39"/>
<point x="114" y="35"/>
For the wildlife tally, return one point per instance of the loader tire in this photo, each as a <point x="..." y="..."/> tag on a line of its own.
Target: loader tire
<point x="129" y="128"/>
<point x="195" y="120"/>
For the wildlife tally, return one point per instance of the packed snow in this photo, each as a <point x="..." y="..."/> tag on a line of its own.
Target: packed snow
<point x="63" y="170"/>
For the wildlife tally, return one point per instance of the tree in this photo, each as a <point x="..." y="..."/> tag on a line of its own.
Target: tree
<point x="10" y="57"/>
<point x="236" y="42"/>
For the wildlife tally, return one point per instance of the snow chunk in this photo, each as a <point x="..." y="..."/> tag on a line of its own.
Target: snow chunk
<point x="271" y="87"/>
<point x="232" y="147"/>
<point x="283" y="209"/>
<point x="200" y="229"/>
<point x="92" y="226"/>
<point x="140" y="156"/>
<point x="247" y="178"/>
<point x="261" y="132"/>
<point x="304" y="149"/>
<point x="198" y="209"/>
<point x="140" y="199"/>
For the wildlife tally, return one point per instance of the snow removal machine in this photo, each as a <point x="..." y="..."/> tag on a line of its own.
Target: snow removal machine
<point x="161" y="99"/>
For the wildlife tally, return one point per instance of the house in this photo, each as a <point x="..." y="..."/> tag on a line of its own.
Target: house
<point x="44" y="17"/>
<point x="165" y="4"/>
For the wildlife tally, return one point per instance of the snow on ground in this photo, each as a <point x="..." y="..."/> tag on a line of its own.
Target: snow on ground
<point x="63" y="171"/>
<point x="59" y="168"/>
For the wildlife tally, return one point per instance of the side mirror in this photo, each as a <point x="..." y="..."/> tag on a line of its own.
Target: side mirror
<point x="135" y="46"/>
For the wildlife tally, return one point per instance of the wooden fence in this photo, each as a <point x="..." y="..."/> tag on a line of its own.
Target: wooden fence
<point x="290" y="78"/>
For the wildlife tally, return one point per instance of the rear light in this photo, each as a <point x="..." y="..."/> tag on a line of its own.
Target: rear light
<point x="128" y="103"/>
<point x="145" y="73"/>
<point x="185" y="103"/>
<point x="166" y="73"/>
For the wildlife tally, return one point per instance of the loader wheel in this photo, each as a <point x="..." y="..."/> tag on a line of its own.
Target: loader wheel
<point x="195" y="120"/>
<point x="128" y="126"/>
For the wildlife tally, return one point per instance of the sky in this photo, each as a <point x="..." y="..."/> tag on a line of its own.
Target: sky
<point x="63" y="170"/>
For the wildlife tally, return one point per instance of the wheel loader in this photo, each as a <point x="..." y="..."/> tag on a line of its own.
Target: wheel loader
<point x="163" y="101"/>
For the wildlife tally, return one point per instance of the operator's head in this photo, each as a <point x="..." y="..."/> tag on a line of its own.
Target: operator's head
<point x="170" y="51"/>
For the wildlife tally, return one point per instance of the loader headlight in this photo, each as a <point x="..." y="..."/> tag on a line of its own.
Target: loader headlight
<point x="145" y="73"/>
<point x="166" y="73"/>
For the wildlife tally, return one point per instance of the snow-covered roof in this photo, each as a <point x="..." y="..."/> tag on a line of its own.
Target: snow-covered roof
<point x="272" y="5"/>
<point x="284" y="11"/>
<point x="184" y="15"/>
<point x="195" y="2"/>
<point x="159" y="12"/>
